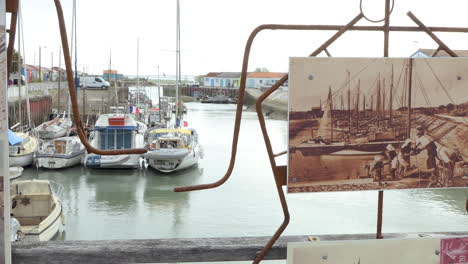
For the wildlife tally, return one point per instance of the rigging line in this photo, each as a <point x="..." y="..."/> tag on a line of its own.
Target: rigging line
<point x="23" y="62"/>
<point x="371" y="20"/>
<point x="354" y="77"/>
<point x="421" y="88"/>
<point x="396" y="86"/>
<point x="440" y="82"/>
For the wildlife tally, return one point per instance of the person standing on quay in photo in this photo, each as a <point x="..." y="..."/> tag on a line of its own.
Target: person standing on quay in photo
<point x="424" y="142"/>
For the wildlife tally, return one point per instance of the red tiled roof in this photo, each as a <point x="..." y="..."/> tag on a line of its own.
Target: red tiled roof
<point x="266" y="75"/>
<point x="212" y="74"/>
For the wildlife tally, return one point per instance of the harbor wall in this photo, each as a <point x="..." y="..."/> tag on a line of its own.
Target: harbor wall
<point x="41" y="108"/>
<point x="275" y="106"/>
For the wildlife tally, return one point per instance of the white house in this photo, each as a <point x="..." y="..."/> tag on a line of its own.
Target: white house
<point x="222" y="79"/>
<point x="263" y="79"/>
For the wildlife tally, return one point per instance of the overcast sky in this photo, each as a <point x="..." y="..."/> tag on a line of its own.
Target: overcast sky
<point x="214" y="32"/>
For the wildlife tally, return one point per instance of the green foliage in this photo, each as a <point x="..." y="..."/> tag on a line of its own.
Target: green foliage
<point x="16" y="61"/>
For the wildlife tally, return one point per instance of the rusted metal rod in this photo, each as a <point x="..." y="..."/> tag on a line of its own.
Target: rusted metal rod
<point x="11" y="42"/>
<point x="436" y="52"/>
<point x="379" y="215"/>
<point x="74" y="101"/>
<point x="261" y="119"/>
<point x="280" y="153"/>
<point x="432" y="35"/>
<point x="386" y="24"/>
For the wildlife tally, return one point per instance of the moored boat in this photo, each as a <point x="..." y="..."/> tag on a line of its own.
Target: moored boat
<point x="115" y="131"/>
<point x="172" y="149"/>
<point x="22" y="147"/>
<point x="60" y="153"/>
<point x="37" y="208"/>
<point x="58" y="127"/>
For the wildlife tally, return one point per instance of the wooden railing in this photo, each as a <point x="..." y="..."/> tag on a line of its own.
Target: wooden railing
<point x="174" y="250"/>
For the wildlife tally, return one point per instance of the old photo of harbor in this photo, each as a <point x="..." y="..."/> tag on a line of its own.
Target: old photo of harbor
<point x="377" y="123"/>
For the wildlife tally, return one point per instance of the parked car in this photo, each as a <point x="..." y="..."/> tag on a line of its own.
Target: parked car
<point x="193" y="84"/>
<point x="14" y="79"/>
<point x="93" y="82"/>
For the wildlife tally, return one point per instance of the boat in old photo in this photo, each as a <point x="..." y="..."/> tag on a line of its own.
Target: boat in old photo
<point x="172" y="149"/>
<point x="58" y="127"/>
<point x="22" y="147"/>
<point x="37" y="209"/>
<point x="115" y="131"/>
<point x="60" y="153"/>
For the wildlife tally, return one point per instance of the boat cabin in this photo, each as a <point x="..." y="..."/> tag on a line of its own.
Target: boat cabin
<point x="169" y="138"/>
<point x="115" y="131"/>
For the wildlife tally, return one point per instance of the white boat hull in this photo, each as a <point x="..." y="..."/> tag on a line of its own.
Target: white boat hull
<point x="47" y="134"/>
<point x="21" y="160"/>
<point x="172" y="163"/>
<point x="112" y="162"/>
<point x="58" y="163"/>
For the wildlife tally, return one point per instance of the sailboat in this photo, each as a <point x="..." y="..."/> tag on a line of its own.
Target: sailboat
<point x="22" y="147"/>
<point x="173" y="149"/>
<point x="60" y="153"/>
<point x="58" y="127"/>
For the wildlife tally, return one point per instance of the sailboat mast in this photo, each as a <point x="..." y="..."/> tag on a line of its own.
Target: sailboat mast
<point x="378" y="102"/>
<point x="177" y="64"/>
<point x="410" y="79"/>
<point x="349" y="102"/>
<point x="391" y="101"/>
<point x="357" y="103"/>
<point x="138" y="73"/>
<point x="383" y="100"/>
<point x="330" y="101"/>
<point x="364" y="106"/>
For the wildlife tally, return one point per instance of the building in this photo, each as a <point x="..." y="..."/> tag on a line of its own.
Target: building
<point x="263" y="79"/>
<point x="425" y="53"/>
<point x="210" y="79"/>
<point x="112" y="75"/>
<point x="55" y="74"/>
<point x="30" y="72"/>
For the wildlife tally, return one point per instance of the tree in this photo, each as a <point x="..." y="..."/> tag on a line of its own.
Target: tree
<point x="262" y="69"/>
<point x="15" y="62"/>
<point x="450" y="107"/>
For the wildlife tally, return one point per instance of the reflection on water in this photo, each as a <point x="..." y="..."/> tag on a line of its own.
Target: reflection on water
<point x="140" y="204"/>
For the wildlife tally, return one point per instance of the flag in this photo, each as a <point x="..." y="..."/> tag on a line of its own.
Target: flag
<point x="134" y="110"/>
<point x="185" y="124"/>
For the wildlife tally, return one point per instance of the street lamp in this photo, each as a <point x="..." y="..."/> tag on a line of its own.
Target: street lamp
<point x="40" y="70"/>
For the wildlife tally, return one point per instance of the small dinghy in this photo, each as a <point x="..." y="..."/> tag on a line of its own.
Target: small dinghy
<point x="36" y="210"/>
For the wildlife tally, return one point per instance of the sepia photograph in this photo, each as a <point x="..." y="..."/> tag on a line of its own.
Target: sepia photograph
<point x="377" y="123"/>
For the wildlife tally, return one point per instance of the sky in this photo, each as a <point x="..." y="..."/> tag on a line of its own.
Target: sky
<point x="214" y="32"/>
<point x="311" y="78"/>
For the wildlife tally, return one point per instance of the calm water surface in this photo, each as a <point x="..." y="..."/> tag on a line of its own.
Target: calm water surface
<point x="139" y="204"/>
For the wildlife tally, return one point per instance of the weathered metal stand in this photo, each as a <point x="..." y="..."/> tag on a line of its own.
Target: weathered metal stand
<point x="279" y="172"/>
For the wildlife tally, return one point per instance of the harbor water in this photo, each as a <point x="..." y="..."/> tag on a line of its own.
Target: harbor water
<point x="140" y="204"/>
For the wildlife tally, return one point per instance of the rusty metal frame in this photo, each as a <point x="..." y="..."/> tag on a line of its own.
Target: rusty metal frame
<point x="279" y="172"/>
<point x="11" y="7"/>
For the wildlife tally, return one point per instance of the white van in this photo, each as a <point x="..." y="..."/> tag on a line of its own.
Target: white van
<point x="93" y="82"/>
